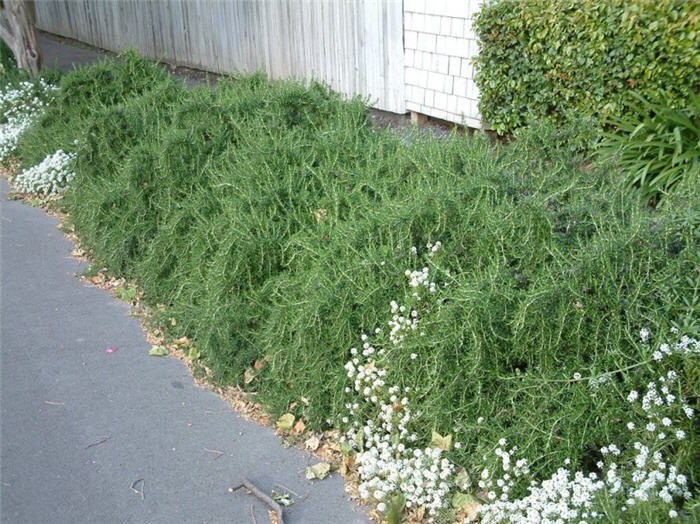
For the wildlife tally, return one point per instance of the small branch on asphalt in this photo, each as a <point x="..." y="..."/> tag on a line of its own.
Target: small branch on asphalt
<point x="252" y="514"/>
<point x="54" y="403"/>
<point x="143" y="486"/>
<point x="269" y="502"/>
<point x="218" y="453"/>
<point x="101" y="441"/>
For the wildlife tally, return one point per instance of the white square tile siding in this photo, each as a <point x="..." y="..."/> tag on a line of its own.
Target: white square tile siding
<point x="439" y="46"/>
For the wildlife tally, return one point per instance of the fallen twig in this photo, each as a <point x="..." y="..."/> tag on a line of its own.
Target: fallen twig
<point x="218" y="453"/>
<point x="269" y="502"/>
<point x="101" y="441"/>
<point x="252" y="514"/>
<point x="218" y="411"/>
<point x="54" y="403"/>
<point x="143" y="485"/>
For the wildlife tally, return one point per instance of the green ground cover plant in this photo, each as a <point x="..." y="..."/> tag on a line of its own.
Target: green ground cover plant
<point x="548" y="58"/>
<point x="275" y="225"/>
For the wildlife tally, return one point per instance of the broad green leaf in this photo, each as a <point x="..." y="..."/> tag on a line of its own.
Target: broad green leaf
<point x="394" y="508"/>
<point x="158" y="351"/>
<point x="460" y="500"/>
<point x="285" y="422"/>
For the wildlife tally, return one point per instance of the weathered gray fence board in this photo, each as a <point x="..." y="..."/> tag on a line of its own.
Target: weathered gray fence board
<point x="356" y="46"/>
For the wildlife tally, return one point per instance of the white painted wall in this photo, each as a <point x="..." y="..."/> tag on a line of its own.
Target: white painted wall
<point x="439" y="46"/>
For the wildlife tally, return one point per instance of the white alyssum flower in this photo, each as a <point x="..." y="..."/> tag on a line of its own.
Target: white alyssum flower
<point x="642" y="474"/>
<point x="644" y="334"/>
<point x="48" y="178"/>
<point x="20" y="107"/>
<point x="387" y="458"/>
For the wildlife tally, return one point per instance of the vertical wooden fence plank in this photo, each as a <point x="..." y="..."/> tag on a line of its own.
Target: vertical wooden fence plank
<point x="356" y="46"/>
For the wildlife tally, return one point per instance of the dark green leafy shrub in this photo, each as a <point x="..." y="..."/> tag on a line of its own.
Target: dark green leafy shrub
<point x="656" y="146"/>
<point x="546" y="57"/>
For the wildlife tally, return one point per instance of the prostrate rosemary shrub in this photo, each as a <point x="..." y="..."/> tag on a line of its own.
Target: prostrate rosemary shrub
<point x="79" y="94"/>
<point x="490" y="292"/>
<point x="544" y="57"/>
<point x="551" y="273"/>
<point x="656" y="146"/>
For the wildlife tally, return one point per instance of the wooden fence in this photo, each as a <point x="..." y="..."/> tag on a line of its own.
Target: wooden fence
<point x="355" y="46"/>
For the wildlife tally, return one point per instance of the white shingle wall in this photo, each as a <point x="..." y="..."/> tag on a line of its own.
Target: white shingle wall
<point x="439" y="45"/>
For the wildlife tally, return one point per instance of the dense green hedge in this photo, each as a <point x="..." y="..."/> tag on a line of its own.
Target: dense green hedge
<point x="552" y="57"/>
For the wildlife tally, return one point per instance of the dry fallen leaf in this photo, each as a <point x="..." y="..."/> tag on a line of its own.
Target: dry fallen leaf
<point x="320" y="215"/>
<point x="318" y="471"/>
<point x="249" y="375"/>
<point x="335" y="445"/>
<point x="282" y="498"/>
<point x="312" y="443"/>
<point x="462" y="479"/>
<point x="347" y="465"/>
<point x="416" y="516"/>
<point x="299" y="427"/>
<point x="441" y="442"/>
<point x="467" y="505"/>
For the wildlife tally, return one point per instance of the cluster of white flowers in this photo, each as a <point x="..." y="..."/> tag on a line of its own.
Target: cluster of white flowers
<point x="559" y="498"/>
<point x="641" y="475"/>
<point x="573" y="496"/>
<point x="388" y="460"/>
<point x="658" y="403"/>
<point x="401" y="323"/>
<point x="420" y="278"/>
<point x="686" y="346"/>
<point x="20" y="107"/>
<point x="433" y="248"/>
<point x="388" y="463"/>
<point x="49" y="177"/>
